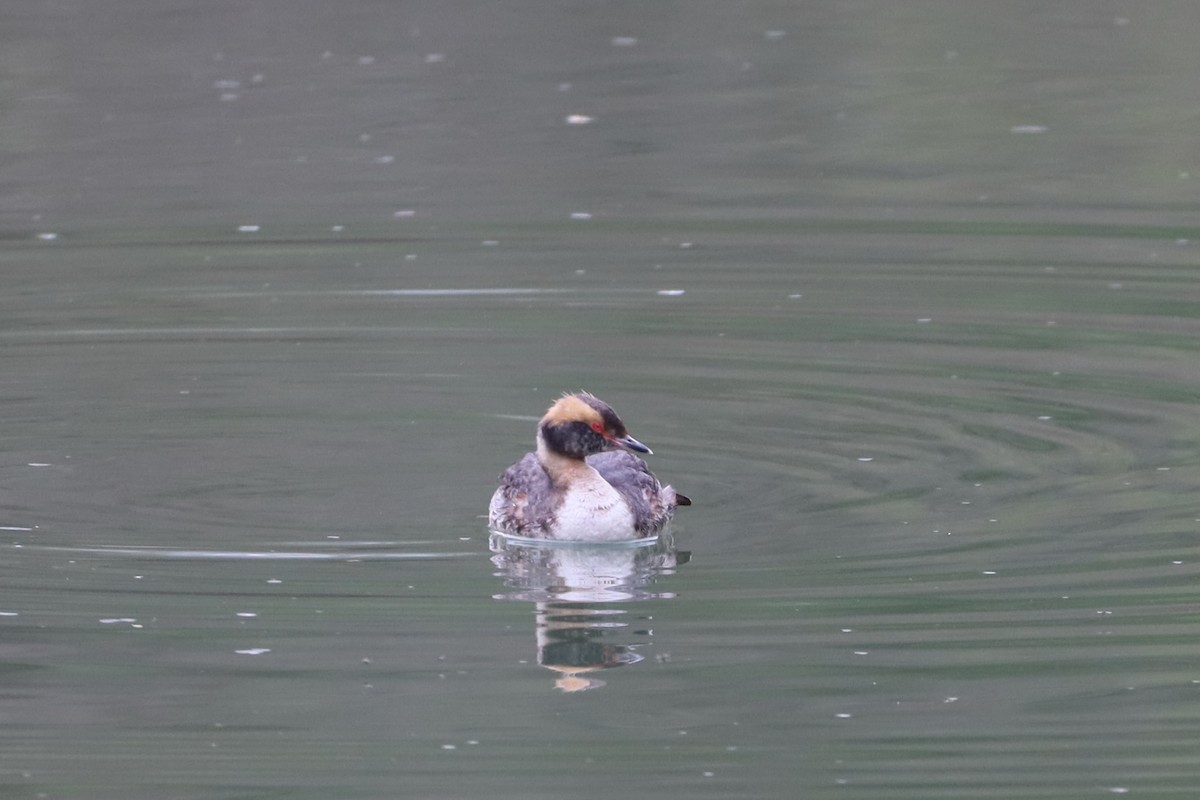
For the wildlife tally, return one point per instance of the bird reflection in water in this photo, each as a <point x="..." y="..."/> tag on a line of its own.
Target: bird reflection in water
<point x="578" y="589"/>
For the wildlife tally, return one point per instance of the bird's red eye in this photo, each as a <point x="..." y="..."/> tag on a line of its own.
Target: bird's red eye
<point x="598" y="427"/>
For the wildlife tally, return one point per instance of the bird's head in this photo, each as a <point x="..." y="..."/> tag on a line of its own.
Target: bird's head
<point x="579" y="425"/>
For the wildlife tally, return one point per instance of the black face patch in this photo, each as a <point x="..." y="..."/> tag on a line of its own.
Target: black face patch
<point x="573" y="439"/>
<point x="612" y="423"/>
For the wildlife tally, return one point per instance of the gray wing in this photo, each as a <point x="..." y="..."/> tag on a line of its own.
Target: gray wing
<point x="522" y="502"/>
<point x="652" y="503"/>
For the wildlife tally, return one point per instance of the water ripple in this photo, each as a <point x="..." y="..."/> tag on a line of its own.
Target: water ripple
<point x="251" y="555"/>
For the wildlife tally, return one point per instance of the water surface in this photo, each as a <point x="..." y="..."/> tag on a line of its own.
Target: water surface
<point x="902" y="295"/>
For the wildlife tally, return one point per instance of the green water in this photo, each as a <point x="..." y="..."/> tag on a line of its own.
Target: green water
<point x="904" y="296"/>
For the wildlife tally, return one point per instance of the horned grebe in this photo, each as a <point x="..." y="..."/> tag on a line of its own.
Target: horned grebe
<point x="583" y="483"/>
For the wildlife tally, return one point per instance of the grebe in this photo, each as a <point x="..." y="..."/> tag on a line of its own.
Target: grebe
<point x="584" y="483"/>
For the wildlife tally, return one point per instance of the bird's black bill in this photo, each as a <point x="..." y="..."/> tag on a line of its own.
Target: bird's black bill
<point x="630" y="443"/>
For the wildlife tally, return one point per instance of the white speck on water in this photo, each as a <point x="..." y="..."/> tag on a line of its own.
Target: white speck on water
<point x="404" y="213"/>
<point x="862" y="652"/>
<point x="580" y="215"/>
<point x="989" y="572"/>
<point x="14" y="528"/>
<point x="686" y="245"/>
<point x="707" y="774"/>
<point x="1028" y="129"/>
<point x="249" y="228"/>
<point x="795" y="296"/>
<point x="449" y="747"/>
<point x="39" y="464"/>
<point x="950" y="700"/>
<point x="1118" y="789"/>
<point x="866" y="459"/>
<point x="274" y="580"/>
<point x="579" y="119"/>
<point x="247" y="614"/>
<point x="924" y="320"/>
<point x="10" y="614"/>
<point x="774" y="35"/>
<point x="1045" y="417"/>
<point x="843" y="715"/>
<point x="337" y="228"/>
<point x="253" y="651"/>
<point x="115" y="620"/>
<point x="671" y="292"/>
<point x="1162" y="469"/>
<point x="47" y="237"/>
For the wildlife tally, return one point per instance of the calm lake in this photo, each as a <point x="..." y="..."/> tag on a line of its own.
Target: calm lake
<point x="905" y="296"/>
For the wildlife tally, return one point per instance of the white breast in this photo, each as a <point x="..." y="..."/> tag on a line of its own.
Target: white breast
<point x="593" y="510"/>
